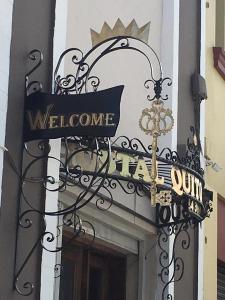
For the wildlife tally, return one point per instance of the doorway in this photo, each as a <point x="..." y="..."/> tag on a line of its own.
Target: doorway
<point x="95" y="273"/>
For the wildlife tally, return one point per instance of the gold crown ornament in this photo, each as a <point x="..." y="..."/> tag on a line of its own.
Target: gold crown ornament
<point x="120" y="29"/>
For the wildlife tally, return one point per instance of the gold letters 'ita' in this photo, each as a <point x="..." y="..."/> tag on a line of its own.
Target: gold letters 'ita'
<point x="156" y="121"/>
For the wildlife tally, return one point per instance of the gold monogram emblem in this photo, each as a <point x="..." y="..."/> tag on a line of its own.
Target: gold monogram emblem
<point x="156" y="120"/>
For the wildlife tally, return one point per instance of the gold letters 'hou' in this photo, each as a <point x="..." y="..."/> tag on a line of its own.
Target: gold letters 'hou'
<point x="157" y="120"/>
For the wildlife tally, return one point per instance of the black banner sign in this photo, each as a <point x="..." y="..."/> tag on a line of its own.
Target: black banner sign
<point x="94" y="114"/>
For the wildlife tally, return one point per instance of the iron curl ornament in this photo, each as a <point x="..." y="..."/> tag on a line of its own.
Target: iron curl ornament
<point x="98" y="152"/>
<point x="172" y="265"/>
<point x="80" y="81"/>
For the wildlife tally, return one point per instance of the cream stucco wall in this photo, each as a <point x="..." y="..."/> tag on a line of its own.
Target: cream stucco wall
<point x="210" y="253"/>
<point x="215" y="110"/>
<point x="215" y="146"/>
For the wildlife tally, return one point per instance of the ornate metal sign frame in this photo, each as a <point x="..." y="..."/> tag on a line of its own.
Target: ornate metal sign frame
<point x="173" y="210"/>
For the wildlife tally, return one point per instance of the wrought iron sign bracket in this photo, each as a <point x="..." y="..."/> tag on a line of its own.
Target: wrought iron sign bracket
<point x="173" y="184"/>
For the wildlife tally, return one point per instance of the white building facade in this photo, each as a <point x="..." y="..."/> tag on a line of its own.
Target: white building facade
<point x="123" y="261"/>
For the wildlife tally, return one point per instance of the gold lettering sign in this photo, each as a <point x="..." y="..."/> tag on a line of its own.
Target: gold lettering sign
<point x="132" y="166"/>
<point x="97" y="119"/>
<point x="184" y="182"/>
<point x="84" y="119"/>
<point x="126" y="160"/>
<point x="62" y="122"/>
<point x="39" y="120"/>
<point x="142" y="171"/>
<point x="109" y="119"/>
<point x="52" y="121"/>
<point x="73" y="120"/>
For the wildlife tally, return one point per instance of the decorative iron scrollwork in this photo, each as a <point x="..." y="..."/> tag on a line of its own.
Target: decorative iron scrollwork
<point x="35" y="57"/>
<point x="58" y="270"/>
<point x="95" y="179"/>
<point x="158" y="88"/>
<point x="172" y="265"/>
<point x="81" y="80"/>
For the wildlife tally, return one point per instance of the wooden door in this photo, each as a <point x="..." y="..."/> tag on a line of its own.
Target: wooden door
<point x="92" y="275"/>
<point x="71" y="277"/>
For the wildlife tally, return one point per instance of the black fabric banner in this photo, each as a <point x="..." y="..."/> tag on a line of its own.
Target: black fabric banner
<point x="94" y="114"/>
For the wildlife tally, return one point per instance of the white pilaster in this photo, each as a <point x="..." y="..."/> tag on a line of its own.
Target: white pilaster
<point x="169" y="59"/>
<point x="50" y="285"/>
<point x="170" y="64"/>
